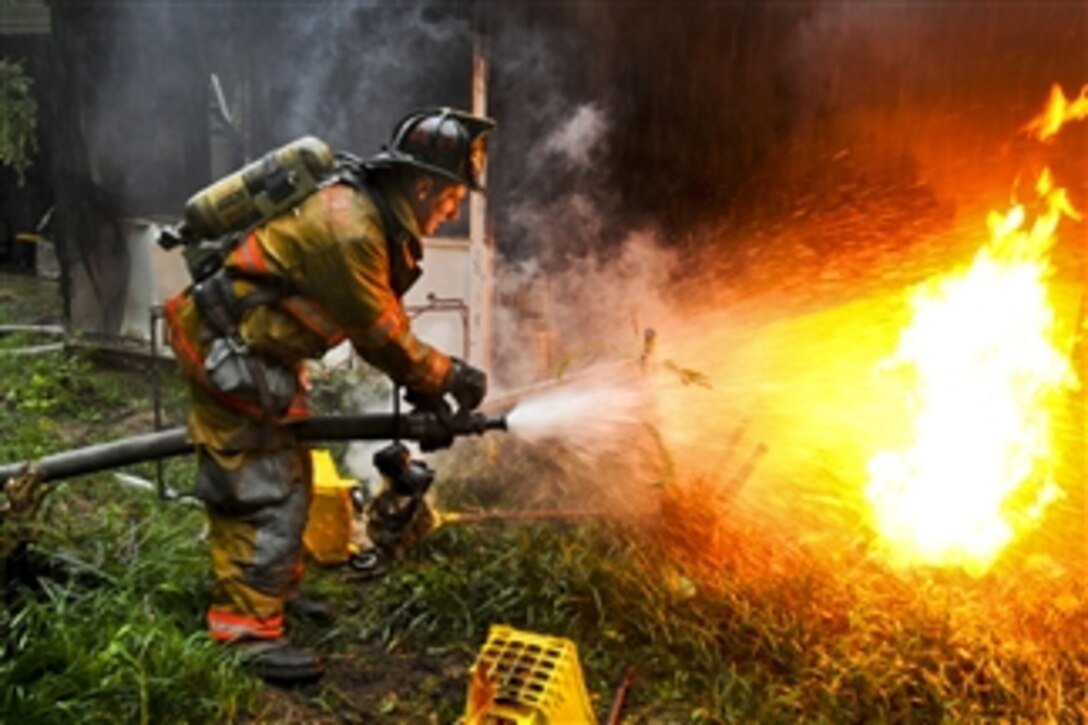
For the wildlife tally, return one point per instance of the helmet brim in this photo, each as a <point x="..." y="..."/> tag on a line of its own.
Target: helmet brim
<point x="388" y="159"/>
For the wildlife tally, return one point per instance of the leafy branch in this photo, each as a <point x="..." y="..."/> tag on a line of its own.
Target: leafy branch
<point x="18" y="118"/>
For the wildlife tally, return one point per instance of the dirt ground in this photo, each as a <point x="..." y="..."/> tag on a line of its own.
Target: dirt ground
<point x="370" y="685"/>
<point x="366" y="682"/>
<point x="394" y="690"/>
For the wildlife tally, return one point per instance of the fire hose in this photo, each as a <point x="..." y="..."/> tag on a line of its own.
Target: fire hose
<point x="425" y="428"/>
<point x="26" y="484"/>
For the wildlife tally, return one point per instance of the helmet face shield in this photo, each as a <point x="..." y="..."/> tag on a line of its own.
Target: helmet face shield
<point x="444" y="142"/>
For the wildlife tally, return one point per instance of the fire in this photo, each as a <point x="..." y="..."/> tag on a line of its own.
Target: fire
<point x="988" y="367"/>
<point x="1059" y="110"/>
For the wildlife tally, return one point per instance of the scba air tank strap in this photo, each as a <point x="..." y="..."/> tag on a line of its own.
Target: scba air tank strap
<point x="230" y="365"/>
<point x="353" y="172"/>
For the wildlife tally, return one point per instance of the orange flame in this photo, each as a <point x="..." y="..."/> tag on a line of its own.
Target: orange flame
<point x="988" y="367"/>
<point x="1059" y="111"/>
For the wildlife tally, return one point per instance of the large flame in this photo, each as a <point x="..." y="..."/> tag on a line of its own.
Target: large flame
<point x="983" y="346"/>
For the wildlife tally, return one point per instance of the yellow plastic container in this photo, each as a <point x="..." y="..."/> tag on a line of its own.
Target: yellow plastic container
<point x="522" y="678"/>
<point x="330" y="531"/>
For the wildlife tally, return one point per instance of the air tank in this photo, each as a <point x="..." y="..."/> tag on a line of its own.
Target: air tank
<point x="261" y="190"/>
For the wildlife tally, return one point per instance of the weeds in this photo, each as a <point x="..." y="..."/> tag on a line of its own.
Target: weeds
<point x="114" y="633"/>
<point x="55" y="399"/>
<point x="125" y="641"/>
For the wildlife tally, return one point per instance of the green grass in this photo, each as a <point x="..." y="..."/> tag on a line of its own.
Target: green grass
<point x="59" y="398"/>
<point x="127" y="644"/>
<point x="116" y="633"/>
<point x="124" y="642"/>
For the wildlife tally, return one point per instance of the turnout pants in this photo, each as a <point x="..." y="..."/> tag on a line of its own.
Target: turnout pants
<point x="257" y="503"/>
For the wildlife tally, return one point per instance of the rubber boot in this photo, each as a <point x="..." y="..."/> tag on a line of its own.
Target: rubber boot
<point x="310" y="610"/>
<point x="278" y="663"/>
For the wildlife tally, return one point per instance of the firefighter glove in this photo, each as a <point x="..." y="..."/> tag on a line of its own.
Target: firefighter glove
<point x="467" y="385"/>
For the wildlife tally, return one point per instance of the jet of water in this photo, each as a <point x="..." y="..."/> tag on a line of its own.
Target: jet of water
<point x="594" y="410"/>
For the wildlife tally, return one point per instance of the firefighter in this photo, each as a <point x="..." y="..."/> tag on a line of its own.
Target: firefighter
<point x="334" y="268"/>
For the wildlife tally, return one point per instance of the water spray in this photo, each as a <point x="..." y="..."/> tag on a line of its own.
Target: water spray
<point x="586" y="410"/>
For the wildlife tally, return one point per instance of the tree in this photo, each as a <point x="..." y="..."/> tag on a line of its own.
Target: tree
<point x="18" y="118"/>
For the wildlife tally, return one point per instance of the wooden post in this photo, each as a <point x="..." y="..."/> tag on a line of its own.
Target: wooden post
<point x="481" y="250"/>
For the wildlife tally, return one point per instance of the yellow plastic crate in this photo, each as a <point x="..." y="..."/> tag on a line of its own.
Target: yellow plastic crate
<point x="522" y="678"/>
<point x="330" y="531"/>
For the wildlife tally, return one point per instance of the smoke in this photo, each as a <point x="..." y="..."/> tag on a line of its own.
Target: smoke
<point x="579" y="277"/>
<point x="358" y="67"/>
<point x="344" y="71"/>
<point x="577" y="138"/>
<point x="598" y="308"/>
<point x="130" y="53"/>
<point x="550" y="190"/>
<point x="588" y="284"/>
